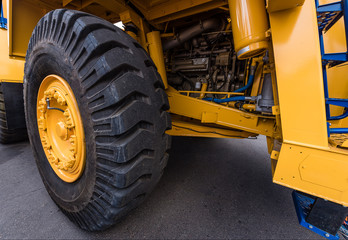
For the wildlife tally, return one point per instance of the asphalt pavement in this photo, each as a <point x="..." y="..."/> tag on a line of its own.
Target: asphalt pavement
<point x="211" y="189"/>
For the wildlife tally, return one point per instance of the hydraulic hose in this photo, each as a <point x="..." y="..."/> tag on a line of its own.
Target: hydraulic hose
<point x="250" y="79"/>
<point x="231" y="99"/>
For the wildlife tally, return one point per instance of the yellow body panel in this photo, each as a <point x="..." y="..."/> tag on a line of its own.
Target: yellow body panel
<point x="11" y="68"/>
<point x="22" y="19"/>
<point x="320" y="172"/>
<point x="299" y="75"/>
<point x="279" y="5"/>
<point x="171" y="10"/>
<point x="14" y="41"/>
<point x="306" y="161"/>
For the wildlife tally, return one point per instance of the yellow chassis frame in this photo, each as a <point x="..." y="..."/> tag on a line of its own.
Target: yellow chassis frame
<point x="306" y="161"/>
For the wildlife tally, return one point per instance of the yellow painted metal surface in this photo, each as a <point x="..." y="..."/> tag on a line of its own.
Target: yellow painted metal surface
<point x="156" y="53"/>
<point x="60" y="128"/>
<point x="171" y="10"/>
<point x="11" y="68"/>
<point x="169" y="7"/>
<point x="320" y="172"/>
<point x="299" y="75"/>
<point x="212" y="113"/>
<point x="180" y="13"/>
<point x="203" y="90"/>
<point x="133" y="35"/>
<point x="279" y="5"/>
<point x="249" y="26"/>
<point x="306" y="162"/>
<point x="190" y="128"/>
<point x="22" y="19"/>
<point x="228" y="94"/>
<point x="129" y="16"/>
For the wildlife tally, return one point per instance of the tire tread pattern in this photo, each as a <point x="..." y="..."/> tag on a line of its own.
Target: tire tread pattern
<point x="128" y="105"/>
<point x="9" y="135"/>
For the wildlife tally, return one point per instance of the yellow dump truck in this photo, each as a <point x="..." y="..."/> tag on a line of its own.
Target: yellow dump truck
<point x="100" y="103"/>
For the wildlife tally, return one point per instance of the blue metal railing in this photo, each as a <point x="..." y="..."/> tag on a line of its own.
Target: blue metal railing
<point x="328" y="15"/>
<point x="3" y="21"/>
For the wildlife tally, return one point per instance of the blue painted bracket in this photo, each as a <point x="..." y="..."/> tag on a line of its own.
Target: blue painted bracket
<point x="303" y="205"/>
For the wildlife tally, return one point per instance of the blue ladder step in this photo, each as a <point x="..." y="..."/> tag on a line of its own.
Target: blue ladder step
<point x="334" y="58"/>
<point x="338" y="130"/>
<point x="343" y="57"/>
<point x="337" y="102"/>
<point x="328" y="15"/>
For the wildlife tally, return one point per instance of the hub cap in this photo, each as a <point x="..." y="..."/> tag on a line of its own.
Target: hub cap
<point x="60" y="128"/>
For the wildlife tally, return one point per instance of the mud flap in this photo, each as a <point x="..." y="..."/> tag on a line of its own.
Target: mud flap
<point x="318" y="215"/>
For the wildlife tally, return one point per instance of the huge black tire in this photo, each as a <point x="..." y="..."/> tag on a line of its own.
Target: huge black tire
<point x="123" y="108"/>
<point x="8" y="135"/>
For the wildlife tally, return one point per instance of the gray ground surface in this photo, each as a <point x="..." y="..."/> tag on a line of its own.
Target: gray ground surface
<point x="212" y="188"/>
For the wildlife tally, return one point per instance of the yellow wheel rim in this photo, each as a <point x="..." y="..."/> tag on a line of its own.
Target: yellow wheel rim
<point x="60" y="128"/>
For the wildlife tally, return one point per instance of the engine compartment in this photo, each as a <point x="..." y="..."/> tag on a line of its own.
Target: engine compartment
<point x="201" y="61"/>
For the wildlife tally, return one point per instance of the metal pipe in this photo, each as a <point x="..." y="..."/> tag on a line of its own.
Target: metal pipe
<point x="250" y="80"/>
<point x="251" y="107"/>
<point x="225" y="100"/>
<point x="204" y="88"/>
<point x="199" y="52"/>
<point x="197" y="67"/>
<point x="339" y="130"/>
<point x="205" y="25"/>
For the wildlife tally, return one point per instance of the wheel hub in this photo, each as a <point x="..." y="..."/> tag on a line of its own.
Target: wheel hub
<point x="60" y="128"/>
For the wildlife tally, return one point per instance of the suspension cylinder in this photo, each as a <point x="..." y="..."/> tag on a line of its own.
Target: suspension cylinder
<point x="249" y="26"/>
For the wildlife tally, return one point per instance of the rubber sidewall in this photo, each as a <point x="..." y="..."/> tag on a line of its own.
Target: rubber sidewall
<point x="45" y="60"/>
